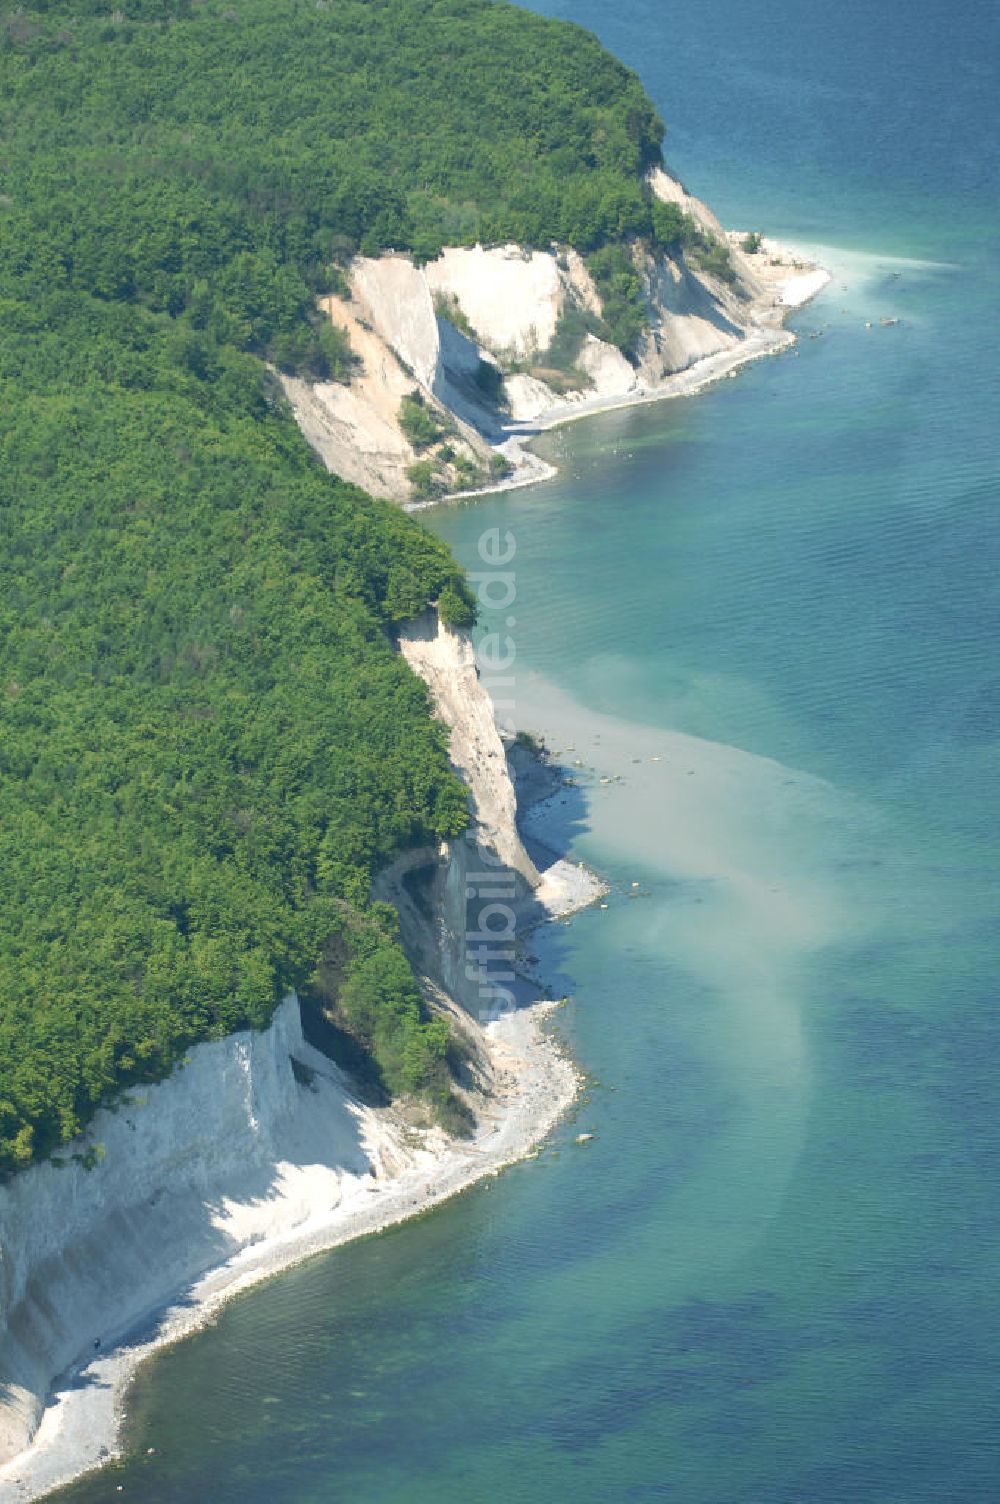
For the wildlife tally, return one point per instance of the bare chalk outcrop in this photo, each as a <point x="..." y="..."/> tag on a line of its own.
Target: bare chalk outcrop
<point x="184" y="1173"/>
<point x="474" y="334"/>
<point x="491" y="855"/>
<point x="444" y="658"/>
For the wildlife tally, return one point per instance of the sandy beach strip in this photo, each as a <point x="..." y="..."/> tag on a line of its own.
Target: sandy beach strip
<point x="82" y="1425"/>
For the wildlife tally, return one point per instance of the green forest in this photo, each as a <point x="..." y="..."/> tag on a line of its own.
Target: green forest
<point x="208" y="745"/>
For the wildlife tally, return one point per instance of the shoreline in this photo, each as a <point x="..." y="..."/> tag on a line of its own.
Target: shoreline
<point x="769" y="336"/>
<point x="82" y="1428"/>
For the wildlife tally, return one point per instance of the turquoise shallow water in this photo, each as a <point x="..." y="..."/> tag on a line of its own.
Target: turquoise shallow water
<point x="771" y="1276"/>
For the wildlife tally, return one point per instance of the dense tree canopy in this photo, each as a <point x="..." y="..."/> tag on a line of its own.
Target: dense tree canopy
<point x="207" y="743"/>
<point x="214" y="160"/>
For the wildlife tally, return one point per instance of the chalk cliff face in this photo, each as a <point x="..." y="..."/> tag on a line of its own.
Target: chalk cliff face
<point x="445" y="660"/>
<point x="401" y="348"/>
<point x="489" y="861"/>
<point x="470" y="333"/>
<point x="446" y="883"/>
<point x="232" y="1147"/>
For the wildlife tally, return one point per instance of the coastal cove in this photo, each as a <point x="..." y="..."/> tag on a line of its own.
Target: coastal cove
<point x="755" y="1263"/>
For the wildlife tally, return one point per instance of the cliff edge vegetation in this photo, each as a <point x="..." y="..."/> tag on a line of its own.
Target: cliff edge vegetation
<point x="215" y="162"/>
<point x="208" y="744"/>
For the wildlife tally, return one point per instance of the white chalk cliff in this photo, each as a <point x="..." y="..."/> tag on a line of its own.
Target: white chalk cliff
<point x="470" y="331"/>
<point x="189" y="1171"/>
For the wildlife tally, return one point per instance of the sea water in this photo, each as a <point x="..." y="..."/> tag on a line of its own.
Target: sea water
<point x="767" y="618"/>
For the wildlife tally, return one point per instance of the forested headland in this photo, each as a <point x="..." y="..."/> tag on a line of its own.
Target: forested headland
<point x="207" y="743"/>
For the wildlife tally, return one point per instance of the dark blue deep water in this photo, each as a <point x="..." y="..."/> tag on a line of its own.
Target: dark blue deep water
<point x="772" y="1276"/>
